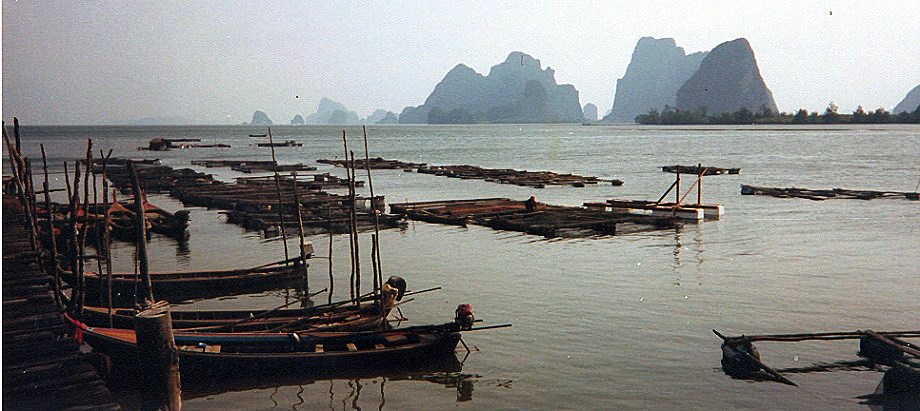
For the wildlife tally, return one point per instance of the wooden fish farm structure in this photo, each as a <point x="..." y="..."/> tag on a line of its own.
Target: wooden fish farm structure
<point x="253" y="166"/>
<point x="819" y="195"/>
<point x="890" y="348"/>
<point x="699" y="169"/>
<point x="535" y="179"/>
<point x="546" y="220"/>
<point x="45" y="290"/>
<point x="679" y="208"/>
<point x="377" y="163"/>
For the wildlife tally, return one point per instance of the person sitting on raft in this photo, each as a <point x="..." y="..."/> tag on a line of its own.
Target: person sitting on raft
<point x="531" y="204"/>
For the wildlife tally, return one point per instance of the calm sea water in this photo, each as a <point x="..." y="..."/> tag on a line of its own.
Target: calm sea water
<point x="617" y="322"/>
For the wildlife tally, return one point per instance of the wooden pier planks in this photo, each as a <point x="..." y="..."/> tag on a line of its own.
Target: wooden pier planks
<point x="42" y="368"/>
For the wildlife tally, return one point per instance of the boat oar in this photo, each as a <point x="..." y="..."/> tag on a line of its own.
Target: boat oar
<point x="289" y="260"/>
<point x="779" y="377"/>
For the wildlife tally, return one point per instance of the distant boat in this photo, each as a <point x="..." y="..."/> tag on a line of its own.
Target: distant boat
<point x="258" y="135"/>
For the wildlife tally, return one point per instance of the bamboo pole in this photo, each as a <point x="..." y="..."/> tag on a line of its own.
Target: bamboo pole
<point x="699" y="187"/>
<point x="74" y="251"/>
<point x="331" y="280"/>
<point x="106" y="238"/>
<point x="16" y="134"/>
<point x="278" y="189"/>
<point x="67" y="181"/>
<point x="303" y="252"/>
<point x="56" y="275"/>
<point x="354" y="226"/>
<point x="677" y="191"/>
<point x="146" y="287"/>
<point x="86" y="223"/>
<point x="351" y="238"/>
<point x="378" y="269"/>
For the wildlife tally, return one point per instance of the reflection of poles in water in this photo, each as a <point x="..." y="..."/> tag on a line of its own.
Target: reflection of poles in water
<point x="383" y="397"/>
<point x="331" y="395"/>
<point x="464" y="390"/>
<point x="354" y="401"/>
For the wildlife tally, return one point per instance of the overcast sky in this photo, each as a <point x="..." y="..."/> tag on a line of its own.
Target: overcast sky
<point x="215" y="62"/>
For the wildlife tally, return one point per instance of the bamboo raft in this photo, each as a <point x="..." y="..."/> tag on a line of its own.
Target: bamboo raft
<point x="697" y="170"/>
<point x="535" y="179"/>
<point x="546" y="220"/>
<point x="374" y="163"/>
<point x="154" y="178"/>
<point x="819" y="195"/>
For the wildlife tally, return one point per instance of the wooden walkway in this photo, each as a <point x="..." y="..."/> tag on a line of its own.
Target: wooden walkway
<point x="42" y="368"/>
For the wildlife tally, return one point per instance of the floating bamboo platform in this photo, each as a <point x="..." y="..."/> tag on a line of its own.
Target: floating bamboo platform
<point x="535" y="179"/>
<point x="42" y="365"/>
<point x="374" y="163"/>
<point x="154" y="178"/>
<point x="697" y="170"/>
<point x="834" y="193"/>
<point x="546" y="220"/>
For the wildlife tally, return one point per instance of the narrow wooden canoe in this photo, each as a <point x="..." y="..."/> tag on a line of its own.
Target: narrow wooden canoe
<point x="313" y="353"/>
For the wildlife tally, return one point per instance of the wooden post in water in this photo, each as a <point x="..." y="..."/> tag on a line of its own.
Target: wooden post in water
<point x="56" y="281"/>
<point x="351" y="238"/>
<point x="331" y="280"/>
<point x="280" y="203"/>
<point x="378" y="274"/>
<point x="74" y="247"/>
<point x="677" y="187"/>
<point x="158" y="358"/>
<point x="106" y="239"/>
<point x="699" y="187"/>
<point x="145" y="287"/>
<point x="86" y="222"/>
<point x="354" y="228"/>
<point x="303" y="251"/>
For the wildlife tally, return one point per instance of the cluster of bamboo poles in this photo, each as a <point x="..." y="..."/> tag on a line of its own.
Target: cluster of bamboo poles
<point x="75" y="255"/>
<point x="354" y="249"/>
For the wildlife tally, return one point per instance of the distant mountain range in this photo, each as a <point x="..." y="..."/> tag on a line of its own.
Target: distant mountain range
<point x="518" y="90"/>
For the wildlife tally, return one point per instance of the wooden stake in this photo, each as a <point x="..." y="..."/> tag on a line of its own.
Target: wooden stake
<point x="677" y="192"/>
<point x="146" y="287"/>
<point x="303" y="252"/>
<point x="699" y="186"/>
<point x="86" y="222"/>
<point x="351" y="237"/>
<point x="74" y="251"/>
<point x="278" y="189"/>
<point x="331" y="280"/>
<point x="106" y="238"/>
<point x="378" y="269"/>
<point x="354" y="226"/>
<point x="56" y="282"/>
<point x="158" y="357"/>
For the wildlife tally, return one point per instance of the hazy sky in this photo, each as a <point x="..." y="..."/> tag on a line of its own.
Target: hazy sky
<point x="93" y="62"/>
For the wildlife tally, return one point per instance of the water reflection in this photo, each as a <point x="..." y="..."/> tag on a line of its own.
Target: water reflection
<point x="345" y="391"/>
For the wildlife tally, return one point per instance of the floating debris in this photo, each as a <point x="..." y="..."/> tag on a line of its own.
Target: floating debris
<point x="819" y="195"/>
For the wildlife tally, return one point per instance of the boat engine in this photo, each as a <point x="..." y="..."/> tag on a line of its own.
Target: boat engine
<point x="464" y="316"/>
<point x="399" y="284"/>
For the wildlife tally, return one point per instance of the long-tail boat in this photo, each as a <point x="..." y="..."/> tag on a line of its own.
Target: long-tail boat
<point x="339" y="316"/>
<point x="184" y="285"/>
<point x="295" y="352"/>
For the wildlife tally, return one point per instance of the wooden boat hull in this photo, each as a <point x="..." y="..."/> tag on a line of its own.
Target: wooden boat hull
<point x="338" y="318"/>
<point x="209" y="354"/>
<point x="189" y="285"/>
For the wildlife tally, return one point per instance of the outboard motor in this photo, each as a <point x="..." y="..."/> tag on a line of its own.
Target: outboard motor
<point x="464" y="316"/>
<point x="399" y="284"/>
<point x="737" y="364"/>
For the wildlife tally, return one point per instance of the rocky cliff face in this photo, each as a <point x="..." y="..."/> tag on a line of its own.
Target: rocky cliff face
<point x="910" y="103"/>
<point x="380" y="115"/>
<point x="332" y="112"/>
<point x="297" y="120"/>
<point x="517" y="90"/>
<point x="727" y="80"/>
<point x="657" y="70"/>
<point x="590" y="111"/>
<point x="259" y="118"/>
